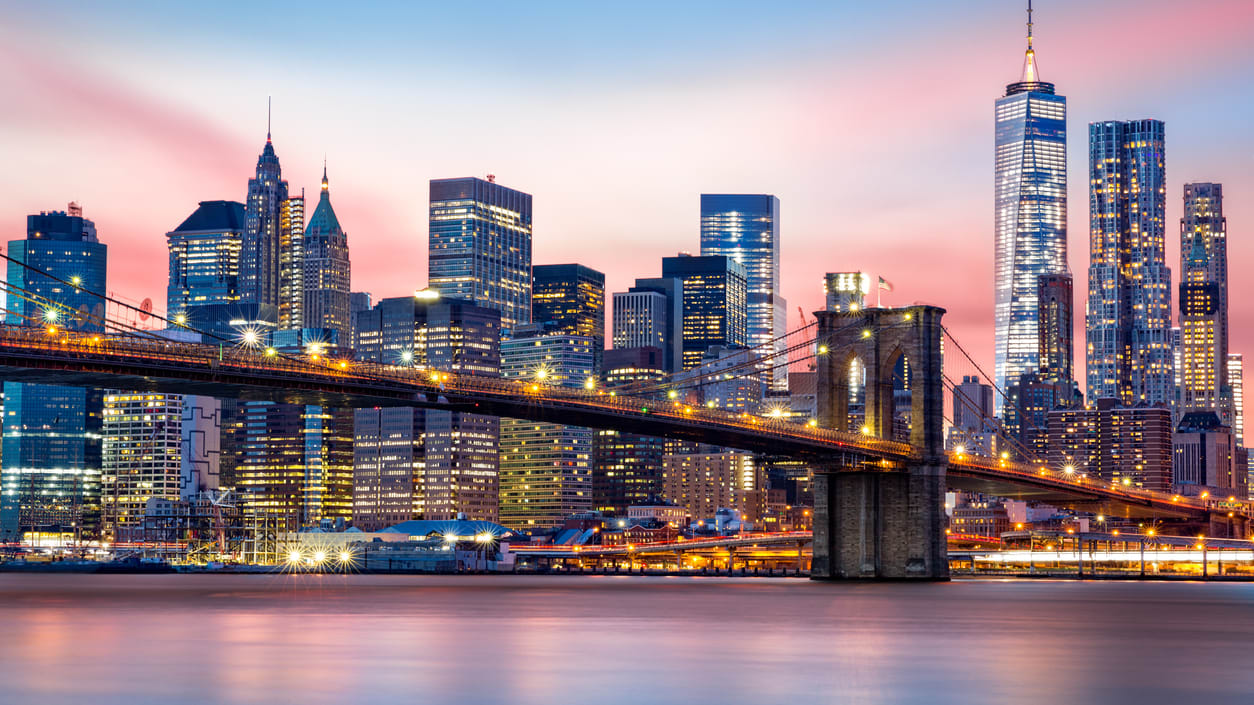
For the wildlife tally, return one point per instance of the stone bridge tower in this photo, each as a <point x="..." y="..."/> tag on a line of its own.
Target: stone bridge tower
<point x="875" y="522"/>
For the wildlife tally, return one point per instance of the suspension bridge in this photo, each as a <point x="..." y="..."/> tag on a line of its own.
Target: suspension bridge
<point x="878" y="489"/>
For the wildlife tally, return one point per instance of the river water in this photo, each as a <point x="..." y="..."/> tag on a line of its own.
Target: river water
<point x="174" y="639"/>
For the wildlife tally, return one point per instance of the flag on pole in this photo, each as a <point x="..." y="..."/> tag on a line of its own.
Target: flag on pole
<point x="885" y="284"/>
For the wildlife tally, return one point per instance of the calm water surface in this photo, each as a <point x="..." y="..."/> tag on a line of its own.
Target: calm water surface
<point x="176" y="639"/>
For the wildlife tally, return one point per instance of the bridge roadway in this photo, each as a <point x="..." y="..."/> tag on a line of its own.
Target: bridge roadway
<point x="55" y="356"/>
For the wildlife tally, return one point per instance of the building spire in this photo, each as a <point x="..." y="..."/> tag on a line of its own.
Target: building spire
<point x="324" y="172"/>
<point x="268" y="116"/>
<point x="1029" y="57"/>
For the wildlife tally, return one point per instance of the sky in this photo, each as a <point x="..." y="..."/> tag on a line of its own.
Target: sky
<point x="872" y="123"/>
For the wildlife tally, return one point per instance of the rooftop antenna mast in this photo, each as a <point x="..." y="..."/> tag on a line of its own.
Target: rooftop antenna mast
<point x="1029" y="24"/>
<point x="268" y="98"/>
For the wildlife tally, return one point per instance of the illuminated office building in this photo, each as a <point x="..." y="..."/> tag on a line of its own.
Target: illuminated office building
<point x="389" y="466"/>
<point x="846" y="291"/>
<point x="651" y="315"/>
<point x="1030" y="212"/>
<point x="154" y="445"/>
<point x="260" y="272"/>
<point x="572" y="298"/>
<point x="480" y="246"/>
<point x="1203" y="372"/>
<point x="291" y="309"/>
<point x="1055" y="344"/>
<point x="50" y="466"/>
<point x="714" y="298"/>
<point x="627" y="467"/>
<point x="1205" y="456"/>
<point x="326" y="272"/>
<point x="1236" y="380"/>
<point x="1128" y="326"/>
<point x="460" y="454"/>
<point x="546" y="468"/>
<point x="703" y="483"/>
<point x="1128" y="446"/>
<point x="205" y="256"/>
<point x="745" y="227"/>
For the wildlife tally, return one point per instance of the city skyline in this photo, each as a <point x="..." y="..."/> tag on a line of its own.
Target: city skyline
<point x="818" y="165"/>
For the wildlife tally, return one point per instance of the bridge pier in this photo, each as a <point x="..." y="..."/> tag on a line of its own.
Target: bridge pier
<point x="880" y="525"/>
<point x="872" y="523"/>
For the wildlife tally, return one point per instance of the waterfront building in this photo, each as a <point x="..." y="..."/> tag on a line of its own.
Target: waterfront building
<point x="1128" y="326"/>
<point x="480" y="246"/>
<point x="1203" y="372"/>
<point x="1030" y="212"/>
<point x="264" y="208"/>
<point x="389" y="466"/>
<point x="326" y="271"/>
<point x="745" y="227"/>
<point x="714" y="300"/>
<point x="1205" y="457"/>
<point x="651" y="314"/>
<point x="546" y="468"/>
<point x="1126" y="445"/>
<point x="627" y="467"/>
<point x="154" y="445"/>
<point x="50" y="465"/>
<point x="460" y="453"/>
<point x="703" y="483"/>
<point x="291" y="262"/>
<point x="846" y="291"/>
<point x="572" y="298"/>
<point x="205" y="257"/>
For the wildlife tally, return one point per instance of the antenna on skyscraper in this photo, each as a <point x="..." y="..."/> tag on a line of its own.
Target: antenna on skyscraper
<point x="268" y="98"/>
<point x="1029" y="24"/>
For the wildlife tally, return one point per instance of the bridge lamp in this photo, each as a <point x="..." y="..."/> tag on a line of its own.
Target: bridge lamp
<point x="76" y="280"/>
<point x="908" y="316"/>
<point x="822" y="349"/>
<point x="250" y="337"/>
<point x="1127" y="481"/>
<point x="346" y="557"/>
<point x="1068" y="469"/>
<point x="672" y="394"/>
<point x="542" y="374"/>
<point x="180" y="318"/>
<point x="407" y="357"/>
<point x="293" y="557"/>
<point x="319" y="557"/>
<point x="866" y="430"/>
<point x="1204" y="495"/>
<point x="866" y="333"/>
<point x="1150" y="532"/>
<point x="271" y="352"/>
<point x="813" y="423"/>
<point x="51" y="315"/>
<point x="960" y="449"/>
<point x="590" y="383"/>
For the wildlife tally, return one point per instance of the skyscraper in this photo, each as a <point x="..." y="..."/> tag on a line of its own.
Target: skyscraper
<point x="50" y="471"/>
<point x="627" y="467"/>
<point x="1204" y="303"/>
<point x="572" y="298"/>
<point x="460" y="455"/>
<point x="1056" y="329"/>
<point x="1128" y="324"/>
<point x="260" y="273"/>
<point x="1236" y="380"/>
<point x="480" y="246"/>
<point x="546" y="468"/>
<point x="714" y="297"/>
<point x="204" y="256"/>
<point x="326" y="272"/>
<point x="745" y="227"/>
<point x="1030" y="212"/>
<point x="291" y="262"/>
<point x="651" y="314"/>
<point x="389" y="466"/>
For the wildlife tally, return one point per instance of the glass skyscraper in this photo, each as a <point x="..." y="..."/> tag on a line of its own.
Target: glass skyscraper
<point x="714" y="303"/>
<point x="572" y="298"/>
<point x="50" y="476"/>
<point x="745" y="227"/>
<point x="480" y="246"/>
<point x="1030" y="213"/>
<point x="1130" y="354"/>
<point x="205" y="257"/>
